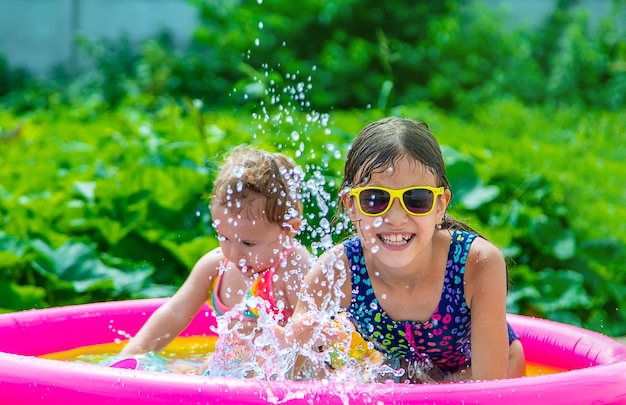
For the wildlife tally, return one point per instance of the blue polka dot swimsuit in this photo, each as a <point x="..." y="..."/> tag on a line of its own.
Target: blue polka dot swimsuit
<point x="443" y="340"/>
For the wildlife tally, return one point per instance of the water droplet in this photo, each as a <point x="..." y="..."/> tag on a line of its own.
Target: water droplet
<point x="238" y="171"/>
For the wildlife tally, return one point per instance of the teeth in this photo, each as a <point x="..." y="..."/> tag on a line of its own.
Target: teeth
<point x="396" y="239"/>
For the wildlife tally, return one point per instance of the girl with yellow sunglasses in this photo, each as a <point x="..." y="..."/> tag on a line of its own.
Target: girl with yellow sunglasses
<point x="421" y="287"/>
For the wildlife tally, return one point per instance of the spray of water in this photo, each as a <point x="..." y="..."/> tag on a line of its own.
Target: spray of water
<point x="260" y="354"/>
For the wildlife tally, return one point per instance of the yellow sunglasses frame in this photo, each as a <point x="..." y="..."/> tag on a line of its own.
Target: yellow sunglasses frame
<point x="396" y="193"/>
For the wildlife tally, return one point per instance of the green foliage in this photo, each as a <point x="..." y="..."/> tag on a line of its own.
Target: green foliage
<point x="550" y="184"/>
<point x="452" y="53"/>
<point x="109" y="201"/>
<point x="115" y="207"/>
<point x="117" y="187"/>
<point x="11" y="79"/>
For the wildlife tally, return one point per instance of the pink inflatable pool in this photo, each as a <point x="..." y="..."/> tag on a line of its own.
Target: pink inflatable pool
<point x="595" y="364"/>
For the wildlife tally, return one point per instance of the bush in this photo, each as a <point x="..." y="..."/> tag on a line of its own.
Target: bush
<point x="109" y="202"/>
<point x="356" y="54"/>
<point x="114" y="207"/>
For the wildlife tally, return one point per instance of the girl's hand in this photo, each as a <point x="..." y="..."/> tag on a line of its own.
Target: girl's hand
<point x="309" y="330"/>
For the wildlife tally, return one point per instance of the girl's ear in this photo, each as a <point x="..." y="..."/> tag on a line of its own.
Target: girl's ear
<point x="442" y="204"/>
<point x="348" y="204"/>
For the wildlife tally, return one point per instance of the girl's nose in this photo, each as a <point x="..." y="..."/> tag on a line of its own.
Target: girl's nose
<point x="396" y="213"/>
<point x="237" y="254"/>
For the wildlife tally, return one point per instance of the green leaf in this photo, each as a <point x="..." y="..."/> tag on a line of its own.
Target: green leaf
<point x="609" y="249"/>
<point x="553" y="238"/>
<point x="79" y="265"/>
<point x="137" y="247"/>
<point x="188" y="253"/>
<point x="85" y="189"/>
<point x="20" y="297"/>
<point x="460" y="171"/>
<point x="517" y="297"/>
<point x="11" y="251"/>
<point x="561" y="290"/>
<point x="112" y="231"/>
<point x="464" y="180"/>
<point x="479" y="196"/>
<point x="154" y="291"/>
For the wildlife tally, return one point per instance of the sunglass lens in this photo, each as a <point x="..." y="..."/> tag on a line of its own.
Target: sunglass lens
<point x="374" y="201"/>
<point x="418" y="201"/>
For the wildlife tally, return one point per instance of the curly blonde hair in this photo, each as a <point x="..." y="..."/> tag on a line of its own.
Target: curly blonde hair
<point x="249" y="173"/>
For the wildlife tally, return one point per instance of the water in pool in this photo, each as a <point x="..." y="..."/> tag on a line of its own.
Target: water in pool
<point x="186" y="355"/>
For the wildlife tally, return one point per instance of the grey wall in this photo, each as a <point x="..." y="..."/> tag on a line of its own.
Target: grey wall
<point x="38" y="34"/>
<point x="34" y="33"/>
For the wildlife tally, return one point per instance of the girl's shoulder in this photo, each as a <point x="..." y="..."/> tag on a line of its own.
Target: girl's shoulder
<point x="334" y="258"/>
<point x="202" y="274"/>
<point x="484" y="262"/>
<point x="301" y="254"/>
<point x="482" y="250"/>
<point x="486" y="276"/>
<point x="210" y="263"/>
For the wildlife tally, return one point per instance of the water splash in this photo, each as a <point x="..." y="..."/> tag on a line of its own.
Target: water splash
<point x="256" y="353"/>
<point x="238" y="171"/>
<point x="280" y="100"/>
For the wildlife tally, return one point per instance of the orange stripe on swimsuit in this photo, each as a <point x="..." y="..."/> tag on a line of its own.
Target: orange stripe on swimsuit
<point x="262" y="287"/>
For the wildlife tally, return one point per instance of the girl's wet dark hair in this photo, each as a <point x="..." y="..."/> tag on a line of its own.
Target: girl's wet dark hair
<point x="382" y="143"/>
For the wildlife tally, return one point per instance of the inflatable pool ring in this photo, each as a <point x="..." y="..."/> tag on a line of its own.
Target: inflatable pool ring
<point x="594" y="364"/>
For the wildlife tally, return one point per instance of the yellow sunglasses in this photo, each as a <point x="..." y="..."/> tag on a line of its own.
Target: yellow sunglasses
<point x="376" y="201"/>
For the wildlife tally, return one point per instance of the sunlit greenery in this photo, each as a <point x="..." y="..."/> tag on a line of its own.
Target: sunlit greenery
<point x="104" y="177"/>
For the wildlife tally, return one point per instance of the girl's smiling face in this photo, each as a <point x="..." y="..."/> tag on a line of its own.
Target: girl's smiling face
<point x="397" y="237"/>
<point x="247" y="239"/>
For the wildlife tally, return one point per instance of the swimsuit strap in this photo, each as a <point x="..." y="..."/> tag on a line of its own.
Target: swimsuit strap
<point x="214" y="300"/>
<point x="262" y="287"/>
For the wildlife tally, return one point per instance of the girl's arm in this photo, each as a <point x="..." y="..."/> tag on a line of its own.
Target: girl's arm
<point x="324" y="286"/>
<point x="486" y="288"/>
<point x="169" y="320"/>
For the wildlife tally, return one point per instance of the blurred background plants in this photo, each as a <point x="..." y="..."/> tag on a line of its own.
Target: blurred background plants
<point x="104" y="176"/>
